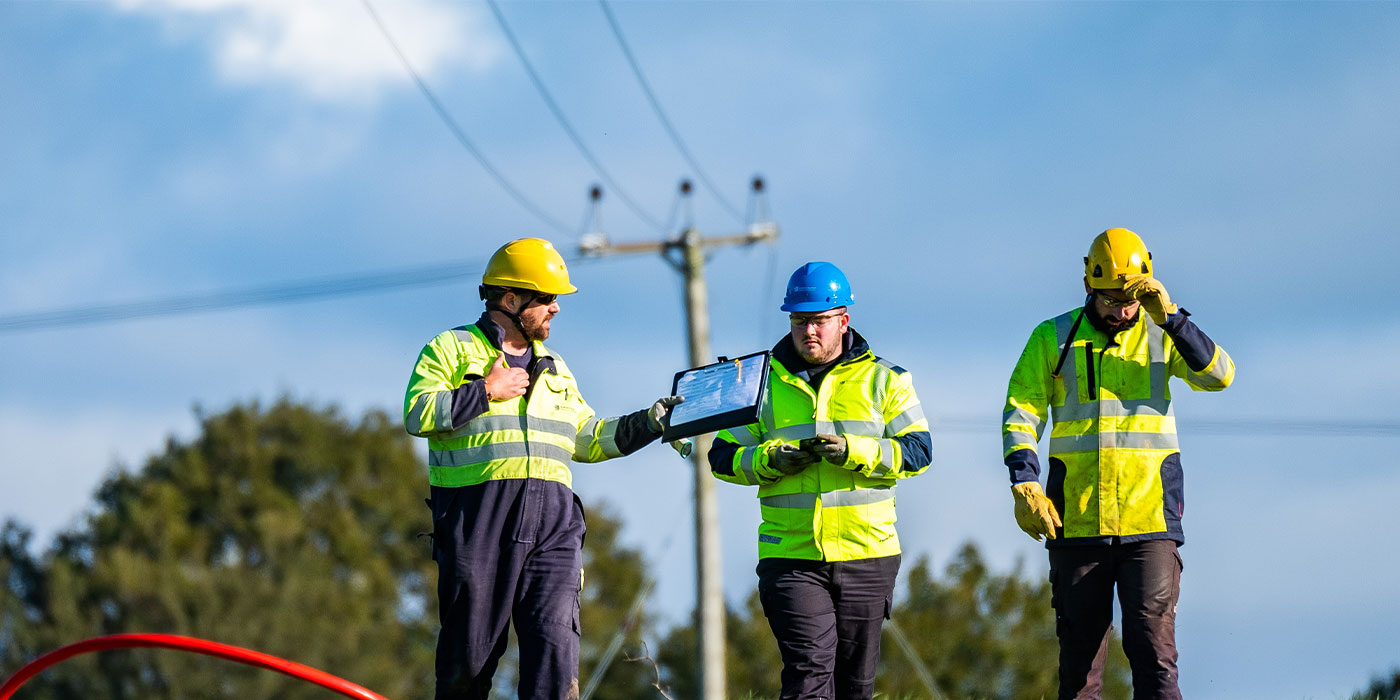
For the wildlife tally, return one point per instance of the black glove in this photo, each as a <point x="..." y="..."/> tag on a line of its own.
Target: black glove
<point x="789" y="459"/>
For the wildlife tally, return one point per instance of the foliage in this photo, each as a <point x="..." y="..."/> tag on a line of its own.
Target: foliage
<point x="751" y="656"/>
<point x="1381" y="688"/>
<point x="286" y="529"/>
<point x="981" y="635"/>
<point x="978" y="635"/>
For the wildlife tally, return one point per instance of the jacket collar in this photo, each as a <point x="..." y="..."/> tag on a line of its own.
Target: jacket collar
<point x="495" y="335"/>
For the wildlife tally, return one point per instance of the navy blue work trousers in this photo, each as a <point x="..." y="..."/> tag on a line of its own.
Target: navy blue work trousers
<point x="827" y="618"/>
<point x="1148" y="578"/>
<point x="508" y="550"/>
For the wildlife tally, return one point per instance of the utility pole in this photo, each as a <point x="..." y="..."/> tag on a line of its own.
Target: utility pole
<point x="687" y="255"/>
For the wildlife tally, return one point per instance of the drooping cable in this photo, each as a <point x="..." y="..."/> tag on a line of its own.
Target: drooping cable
<point x="661" y="113"/>
<point x="458" y="132"/>
<point x="564" y="121"/>
<point x="270" y="295"/>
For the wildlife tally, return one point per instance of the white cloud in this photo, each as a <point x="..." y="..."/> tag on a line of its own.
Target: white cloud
<point x="332" y="50"/>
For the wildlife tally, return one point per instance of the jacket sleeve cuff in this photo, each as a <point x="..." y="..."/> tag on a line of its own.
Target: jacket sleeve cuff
<point x="1024" y="465"/>
<point x="862" y="453"/>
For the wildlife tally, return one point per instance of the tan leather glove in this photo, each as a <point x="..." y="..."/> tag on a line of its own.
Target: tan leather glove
<point x="1034" y="512"/>
<point x="1152" y="295"/>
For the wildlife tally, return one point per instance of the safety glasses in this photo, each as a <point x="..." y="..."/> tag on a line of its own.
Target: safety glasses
<point x="1113" y="302"/>
<point x="802" y="320"/>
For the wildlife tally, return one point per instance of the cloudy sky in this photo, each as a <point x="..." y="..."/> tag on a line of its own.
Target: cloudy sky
<point x="954" y="158"/>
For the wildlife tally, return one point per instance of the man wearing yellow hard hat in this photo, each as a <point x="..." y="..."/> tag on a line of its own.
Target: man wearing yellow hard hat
<point x="1113" y="502"/>
<point x="503" y="417"/>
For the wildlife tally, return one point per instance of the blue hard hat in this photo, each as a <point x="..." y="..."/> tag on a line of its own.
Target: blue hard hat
<point x="817" y="286"/>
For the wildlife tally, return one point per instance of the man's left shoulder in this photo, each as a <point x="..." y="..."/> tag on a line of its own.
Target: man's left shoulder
<point x="890" y="366"/>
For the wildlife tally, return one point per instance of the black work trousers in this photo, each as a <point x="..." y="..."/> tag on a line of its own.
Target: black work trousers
<point x="508" y="549"/>
<point x="827" y="618"/>
<point x="1148" y="578"/>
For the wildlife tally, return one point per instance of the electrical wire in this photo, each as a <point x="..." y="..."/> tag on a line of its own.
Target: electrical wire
<point x="661" y="114"/>
<point x="564" y="122"/>
<point x="1280" y="427"/>
<point x="270" y="295"/>
<point x="459" y="133"/>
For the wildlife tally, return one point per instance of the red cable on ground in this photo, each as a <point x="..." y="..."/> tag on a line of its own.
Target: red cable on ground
<point x="190" y="644"/>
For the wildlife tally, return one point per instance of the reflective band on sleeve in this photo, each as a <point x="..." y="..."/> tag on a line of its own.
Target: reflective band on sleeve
<point x="857" y="497"/>
<point x="910" y="416"/>
<point x="413" y="422"/>
<point x="746" y="455"/>
<point x="499" y="450"/>
<point x="886" y="465"/>
<point x="790" y="500"/>
<point x="607" y="438"/>
<point x="1216" y="374"/>
<point x="585" y="436"/>
<point x="1019" y="417"/>
<point x="442" y="412"/>
<point x="741" y="436"/>
<point x="1015" y="438"/>
<point x="1108" y="440"/>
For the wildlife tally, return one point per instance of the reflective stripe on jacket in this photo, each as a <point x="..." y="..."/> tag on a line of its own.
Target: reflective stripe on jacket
<point x="530" y="436"/>
<point x="1115" y="470"/>
<point x="829" y="512"/>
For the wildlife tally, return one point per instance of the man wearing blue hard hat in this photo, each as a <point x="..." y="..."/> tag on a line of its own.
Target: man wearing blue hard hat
<point x="839" y="427"/>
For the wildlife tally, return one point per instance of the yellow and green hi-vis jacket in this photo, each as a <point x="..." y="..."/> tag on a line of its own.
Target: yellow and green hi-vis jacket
<point x="531" y="436"/>
<point x="1115" y="468"/>
<point x="828" y="512"/>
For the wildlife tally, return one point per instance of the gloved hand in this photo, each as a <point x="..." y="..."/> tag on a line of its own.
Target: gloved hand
<point x="831" y="448"/>
<point x="657" y="413"/>
<point x="1151" y="294"/>
<point x="504" y="382"/>
<point x="1034" y="512"/>
<point x="789" y="459"/>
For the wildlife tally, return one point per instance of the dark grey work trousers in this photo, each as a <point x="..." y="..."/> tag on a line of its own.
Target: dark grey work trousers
<point x="508" y="549"/>
<point x="827" y="618"/>
<point x="1148" y="578"/>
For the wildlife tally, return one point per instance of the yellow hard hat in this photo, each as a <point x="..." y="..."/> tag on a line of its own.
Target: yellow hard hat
<point x="529" y="263"/>
<point x="1113" y="254"/>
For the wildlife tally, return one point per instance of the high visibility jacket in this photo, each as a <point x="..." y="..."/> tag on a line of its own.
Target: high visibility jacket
<point x="1115" y="468"/>
<point x="828" y="512"/>
<point x="531" y="436"/>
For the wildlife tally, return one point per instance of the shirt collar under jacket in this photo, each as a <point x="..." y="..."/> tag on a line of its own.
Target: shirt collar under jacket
<point x="496" y="336"/>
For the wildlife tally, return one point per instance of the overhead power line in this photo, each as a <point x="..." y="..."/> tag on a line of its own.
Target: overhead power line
<point x="270" y="295"/>
<point x="564" y="122"/>
<point x="1279" y="427"/>
<point x="459" y="133"/>
<point x="661" y="114"/>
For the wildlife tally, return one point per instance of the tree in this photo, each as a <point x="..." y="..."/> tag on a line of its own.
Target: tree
<point x="287" y="529"/>
<point x="981" y="635"/>
<point x="1381" y="688"/>
<point x="751" y="658"/>
<point x="977" y="634"/>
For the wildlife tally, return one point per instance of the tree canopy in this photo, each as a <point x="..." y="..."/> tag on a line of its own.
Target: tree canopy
<point x="292" y="530"/>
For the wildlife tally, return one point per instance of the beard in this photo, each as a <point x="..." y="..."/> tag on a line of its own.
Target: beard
<point x="1110" y="326"/>
<point x="536" y="329"/>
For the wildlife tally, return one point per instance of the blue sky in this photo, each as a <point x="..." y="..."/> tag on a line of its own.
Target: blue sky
<point x="954" y="158"/>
